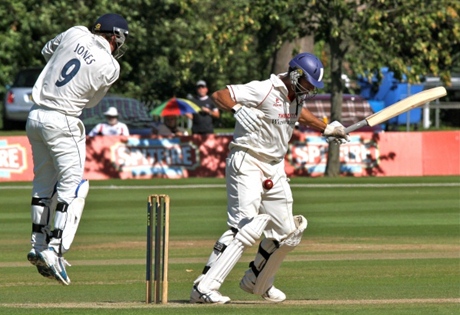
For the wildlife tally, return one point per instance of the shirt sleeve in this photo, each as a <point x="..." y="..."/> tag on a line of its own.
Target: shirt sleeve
<point x="247" y="94"/>
<point x="51" y="46"/>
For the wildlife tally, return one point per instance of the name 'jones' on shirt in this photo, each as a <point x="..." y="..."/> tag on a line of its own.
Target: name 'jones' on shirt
<point x="85" y="54"/>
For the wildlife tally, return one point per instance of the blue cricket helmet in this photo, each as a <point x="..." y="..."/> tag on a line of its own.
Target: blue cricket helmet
<point x="312" y="68"/>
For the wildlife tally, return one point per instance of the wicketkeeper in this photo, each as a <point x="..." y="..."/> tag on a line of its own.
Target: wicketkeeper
<point x="258" y="192"/>
<point x="80" y="69"/>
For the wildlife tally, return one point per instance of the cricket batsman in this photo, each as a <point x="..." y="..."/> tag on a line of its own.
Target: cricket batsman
<point x="259" y="198"/>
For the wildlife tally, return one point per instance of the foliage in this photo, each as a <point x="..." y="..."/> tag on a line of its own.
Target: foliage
<point x="411" y="37"/>
<point x="175" y="43"/>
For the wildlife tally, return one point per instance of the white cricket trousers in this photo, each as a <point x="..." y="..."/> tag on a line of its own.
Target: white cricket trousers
<point x="59" y="152"/>
<point x="246" y="196"/>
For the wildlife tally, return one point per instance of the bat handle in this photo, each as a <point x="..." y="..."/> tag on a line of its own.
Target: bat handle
<point x="351" y="128"/>
<point x="356" y="126"/>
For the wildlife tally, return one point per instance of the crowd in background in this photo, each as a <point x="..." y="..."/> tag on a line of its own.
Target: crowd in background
<point x="201" y="122"/>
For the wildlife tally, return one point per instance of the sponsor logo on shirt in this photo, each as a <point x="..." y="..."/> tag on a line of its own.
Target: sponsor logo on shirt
<point x="287" y="115"/>
<point x="278" y="103"/>
<point x="285" y="119"/>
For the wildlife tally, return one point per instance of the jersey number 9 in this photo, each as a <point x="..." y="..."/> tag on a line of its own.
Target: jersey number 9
<point x="69" y="70"/>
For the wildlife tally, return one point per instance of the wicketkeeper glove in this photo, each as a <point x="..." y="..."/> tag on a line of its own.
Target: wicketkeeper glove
<point x="248" y="117"/>
<point x="335" y="133"/>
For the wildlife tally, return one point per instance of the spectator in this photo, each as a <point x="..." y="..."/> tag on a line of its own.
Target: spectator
<point x="202" y="122"/>
<point x="112" y="127"/>
<point x="169" y="128"/>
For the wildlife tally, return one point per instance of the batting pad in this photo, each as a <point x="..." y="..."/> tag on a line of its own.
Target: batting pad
<point x="40" y="213"/>
<point x="245" y="237"/>
<point x="267" y="266"/>
<point x="69" y="220"/>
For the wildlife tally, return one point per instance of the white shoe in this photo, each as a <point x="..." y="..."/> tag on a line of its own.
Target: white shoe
<point x="32" y="257"/>
<point x="274" y="295"/>
<point x="56" y="264"/>
<point x="212" y="297"/>
<point x="42" y="269"/>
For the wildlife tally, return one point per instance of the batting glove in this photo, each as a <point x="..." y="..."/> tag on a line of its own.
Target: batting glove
<point x="248" y="117"/>
<point x="335" y="133"/>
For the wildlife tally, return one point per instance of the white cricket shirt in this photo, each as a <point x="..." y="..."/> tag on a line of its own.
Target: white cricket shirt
<point x="104" y="129"/>
<point x="270" y="142"/>
<point x="79" y="71"/>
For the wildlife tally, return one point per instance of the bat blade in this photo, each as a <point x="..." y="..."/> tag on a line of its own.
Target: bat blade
<point x="399" y="107"/>
<point x="405" y="105"/>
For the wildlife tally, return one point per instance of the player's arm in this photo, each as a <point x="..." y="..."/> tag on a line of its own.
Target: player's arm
<point x="51" y="46"/>
<point x="308" y="119"/>
<point x="223" y="100"/>
<point x="248" y="117"/>
<point x="335" y="130"/>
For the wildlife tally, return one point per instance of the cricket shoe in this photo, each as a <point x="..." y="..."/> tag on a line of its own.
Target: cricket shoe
<point x="46" y="272"/>
<point x="32" y="257"/>
<point x="274" y="295"/>
<point x="50" y="259"/>
<point x="212" y="297"/>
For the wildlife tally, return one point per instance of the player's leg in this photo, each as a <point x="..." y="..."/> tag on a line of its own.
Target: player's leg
<point x="44" y="197"/>
<point x="42" y="212"/>
<point x="68" y="151"/>
<point x="219" y="248"/>
<point x="242" y="202"/>
<point x="260" y="276"/>
<point x="67" y="220"/>
<point x="282" y="235"/>
<point x="43" y="204"/>
<point x="246" y="226"/>
<point x="206" y="290"/>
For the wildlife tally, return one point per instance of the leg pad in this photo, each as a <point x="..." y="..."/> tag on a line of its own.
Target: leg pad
<point x="252" y="230"/>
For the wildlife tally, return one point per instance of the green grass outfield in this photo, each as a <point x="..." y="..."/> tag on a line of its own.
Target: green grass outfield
<point x="373" y="246"/>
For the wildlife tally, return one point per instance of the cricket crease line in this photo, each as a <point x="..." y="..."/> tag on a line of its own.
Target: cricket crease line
<point x="183" y="303"/>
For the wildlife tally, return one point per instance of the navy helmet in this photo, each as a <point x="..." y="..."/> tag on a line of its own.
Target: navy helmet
<point x="113" y="24"/>
<point x="109" y="23"/>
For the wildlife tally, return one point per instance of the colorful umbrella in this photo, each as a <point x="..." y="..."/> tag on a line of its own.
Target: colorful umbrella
<point x="175" y="107"/>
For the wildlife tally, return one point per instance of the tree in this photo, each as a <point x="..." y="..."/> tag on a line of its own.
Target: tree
<point x="173" y="43"/>
<point x="411" y="37"/>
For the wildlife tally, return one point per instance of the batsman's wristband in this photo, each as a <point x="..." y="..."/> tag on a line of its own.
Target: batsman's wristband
<point x="236" y="108"/>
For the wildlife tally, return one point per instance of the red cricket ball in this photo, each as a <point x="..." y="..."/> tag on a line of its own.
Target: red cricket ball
<point x="268" y="184"/>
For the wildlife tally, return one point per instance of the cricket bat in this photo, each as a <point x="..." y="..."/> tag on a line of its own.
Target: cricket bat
<point x="400" y="107"/>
